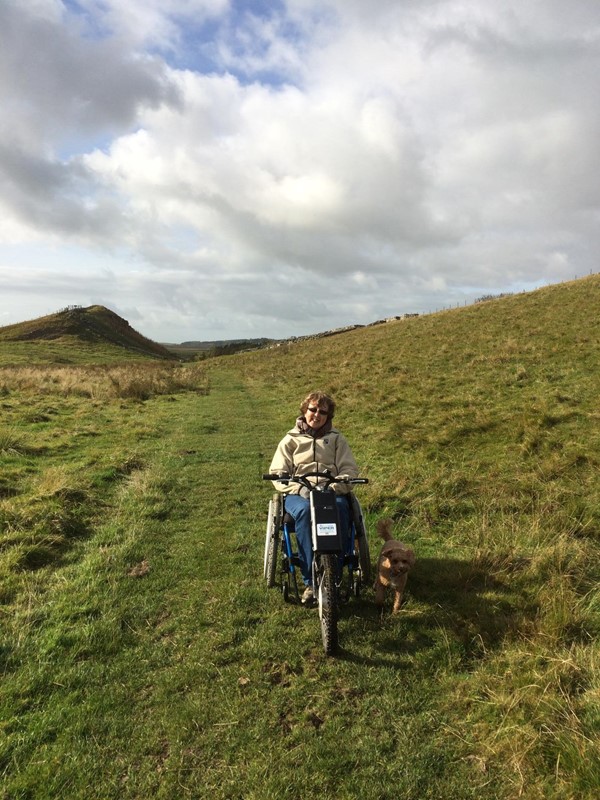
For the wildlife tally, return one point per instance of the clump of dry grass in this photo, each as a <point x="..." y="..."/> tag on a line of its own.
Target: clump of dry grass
<point x="11" y="441"/>
<point x="57" y="482"/>
<point x="129" y="381"/>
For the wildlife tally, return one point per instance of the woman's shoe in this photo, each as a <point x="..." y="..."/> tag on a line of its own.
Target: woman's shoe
<point x="308" y="598"/>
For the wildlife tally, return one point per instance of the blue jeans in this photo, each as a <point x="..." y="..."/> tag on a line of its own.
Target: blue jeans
<point x="299" y="508"/>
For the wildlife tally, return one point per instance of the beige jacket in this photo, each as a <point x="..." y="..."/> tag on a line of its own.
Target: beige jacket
<point x="299" y="453"/>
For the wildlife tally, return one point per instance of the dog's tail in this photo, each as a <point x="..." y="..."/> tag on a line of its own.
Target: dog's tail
<point x="384" y="529"/>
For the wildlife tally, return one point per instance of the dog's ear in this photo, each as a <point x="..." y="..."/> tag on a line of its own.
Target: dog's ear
<point x="410" y="554"/>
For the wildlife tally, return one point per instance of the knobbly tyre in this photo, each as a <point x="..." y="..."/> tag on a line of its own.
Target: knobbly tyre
<point x="338" y="572"/>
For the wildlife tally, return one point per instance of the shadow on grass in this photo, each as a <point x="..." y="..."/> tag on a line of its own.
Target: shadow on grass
<point x="457" y="605"/>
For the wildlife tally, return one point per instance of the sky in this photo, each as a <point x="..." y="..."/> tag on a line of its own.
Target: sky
<point x="221" y="169"/>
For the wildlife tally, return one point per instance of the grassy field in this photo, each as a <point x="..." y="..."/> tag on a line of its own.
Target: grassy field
<point x="142" y="656"/>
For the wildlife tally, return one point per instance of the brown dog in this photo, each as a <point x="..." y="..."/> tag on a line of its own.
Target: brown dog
<point x="395" y="560"/>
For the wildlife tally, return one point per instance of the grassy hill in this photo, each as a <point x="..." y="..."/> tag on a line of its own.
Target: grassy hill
<point x="75" y="334"/>
<point x="142" y="656"/>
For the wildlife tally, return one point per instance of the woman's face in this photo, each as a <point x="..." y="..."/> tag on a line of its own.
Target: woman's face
<point x="316" y="415"/>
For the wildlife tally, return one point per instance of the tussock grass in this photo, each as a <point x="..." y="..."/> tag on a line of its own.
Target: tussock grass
<point x="131" y="381"/>
<point x="11" y="441"/>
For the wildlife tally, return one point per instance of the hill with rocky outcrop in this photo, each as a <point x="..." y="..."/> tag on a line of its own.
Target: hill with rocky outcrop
<point x="94" y="324"/>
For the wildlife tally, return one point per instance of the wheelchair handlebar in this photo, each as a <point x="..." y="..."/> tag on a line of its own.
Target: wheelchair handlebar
<point x="303" y="479"/>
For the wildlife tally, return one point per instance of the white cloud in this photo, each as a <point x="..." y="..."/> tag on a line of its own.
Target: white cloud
<point x="327" y="163"/>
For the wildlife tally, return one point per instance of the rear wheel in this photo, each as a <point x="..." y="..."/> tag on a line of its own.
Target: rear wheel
<point x="327" y="599"/>
<point x="272" y="540"/>
<point x="361" y="543"/>
<point x="364" y="557"/>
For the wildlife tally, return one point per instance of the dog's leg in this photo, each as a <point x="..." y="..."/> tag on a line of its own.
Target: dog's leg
<point x="379" y="589"/>
<point x="398" y="592"/>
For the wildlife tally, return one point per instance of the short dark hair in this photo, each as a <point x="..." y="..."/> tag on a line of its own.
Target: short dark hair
<point x="321" y="399"/>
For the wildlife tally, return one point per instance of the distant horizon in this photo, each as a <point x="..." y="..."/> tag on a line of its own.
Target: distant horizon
<point x="341" y="328"/>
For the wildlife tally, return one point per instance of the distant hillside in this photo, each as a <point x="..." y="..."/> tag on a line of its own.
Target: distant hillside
<point x="226" y="343"/>
<point x="95" y="324"/>
<point x="218" y="347"/>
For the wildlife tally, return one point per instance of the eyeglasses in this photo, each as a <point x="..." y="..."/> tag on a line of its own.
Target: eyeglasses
<point x="314" y="410"/>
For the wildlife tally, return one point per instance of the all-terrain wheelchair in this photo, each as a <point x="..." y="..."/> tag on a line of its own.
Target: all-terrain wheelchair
<point x="339" y="571"/>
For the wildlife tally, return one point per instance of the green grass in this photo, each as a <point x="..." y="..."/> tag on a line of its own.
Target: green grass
<point x="66" y="350"/>
<point x="142" y="655"/>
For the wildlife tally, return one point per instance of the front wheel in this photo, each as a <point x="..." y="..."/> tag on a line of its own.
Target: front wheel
<point x="272" y="540"/>
<point x="327" y="599"/>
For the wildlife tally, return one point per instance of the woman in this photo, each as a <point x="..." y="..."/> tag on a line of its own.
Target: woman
<point x="313" y="445"/>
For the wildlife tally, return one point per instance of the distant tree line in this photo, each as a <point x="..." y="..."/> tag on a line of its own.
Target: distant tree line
<point x="230" y="348"/>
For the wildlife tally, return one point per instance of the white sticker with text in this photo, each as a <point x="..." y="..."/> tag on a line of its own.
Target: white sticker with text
<point x="326" y="529"/>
